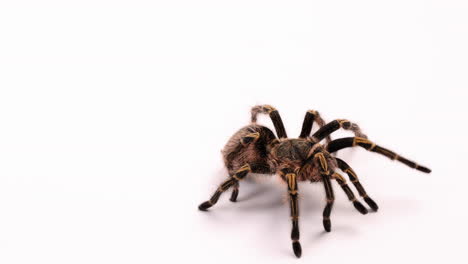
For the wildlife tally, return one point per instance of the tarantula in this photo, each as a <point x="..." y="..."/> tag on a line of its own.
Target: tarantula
<point x="256" y="149"/>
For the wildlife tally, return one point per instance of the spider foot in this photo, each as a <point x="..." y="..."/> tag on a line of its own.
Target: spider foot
<point x="423" y="169"/>
<point x="371" y="203"/>
<point x="327" y="225"/>
<point x="234" y="194"/>
<point x="297" y="249"/>
<point x="360" y="207"/>
<point x="204" y="206"/>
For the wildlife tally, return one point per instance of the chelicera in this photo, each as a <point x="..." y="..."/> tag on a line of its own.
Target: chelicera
<point x="256" y="149"/>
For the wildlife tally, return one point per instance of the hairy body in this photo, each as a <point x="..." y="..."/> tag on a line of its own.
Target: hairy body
<point x="256" y="149"/>
<point x="268" y="155"/>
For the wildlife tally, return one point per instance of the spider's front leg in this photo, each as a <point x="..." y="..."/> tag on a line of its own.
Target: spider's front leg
<point x="232" y="181"/>
<point x="290" y="178"/>
<point x="235" y="192"/>
<point x="348" y="142"/>
<point x="327" y="174"/>
<point x="354" y="179"/>
<point x="349" y="193"/>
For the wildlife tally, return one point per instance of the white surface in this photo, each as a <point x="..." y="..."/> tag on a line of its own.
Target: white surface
<point x="113" y="113"/>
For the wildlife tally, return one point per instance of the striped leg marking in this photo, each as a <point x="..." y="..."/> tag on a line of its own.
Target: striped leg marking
<point x="232" y="181"/>
<point x="330" y="201"/>
<point x="334" y="125"/>
<point x="274" y="115"/>
<point x="342" y="143"/>
<point x="293" y="194"/>
<point x="309" y="119"/>
<point x="354" y="179"/>
<point x="325" y="173"/>
<point x="342" y="181"/>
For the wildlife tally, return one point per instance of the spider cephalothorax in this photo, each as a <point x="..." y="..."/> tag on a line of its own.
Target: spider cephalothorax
<point x="256" y="149"/>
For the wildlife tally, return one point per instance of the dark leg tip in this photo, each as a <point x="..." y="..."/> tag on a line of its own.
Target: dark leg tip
<point x="327" y="225"/>
<point x="371" y="203"/>
<point x="234" y="196"/>
<point x="424" y="169"/>
<point x="204" y="206"/>
<point x="360" y="207"/>
<point x="297" y="249"/>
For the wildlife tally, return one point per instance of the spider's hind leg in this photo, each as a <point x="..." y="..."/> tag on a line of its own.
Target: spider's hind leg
<point x="232" y="181"/>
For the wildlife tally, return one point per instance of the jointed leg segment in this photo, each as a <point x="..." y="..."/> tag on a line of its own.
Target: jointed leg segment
<point x="291" y="180"/>
<point x="349" y="193"/>
<point x="274" y="115"/>
<point x="334" y="125"/>
<point x="354" y="179"/>
<point x="342" y="143"/>
<point x="235" y="192"/>
<point x="309" y="119"/>
<point x="232" y="181"/>
<point x="330" y="200"/>
<point x="325" y="173"/>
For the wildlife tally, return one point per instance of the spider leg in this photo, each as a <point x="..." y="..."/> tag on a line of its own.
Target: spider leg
<point x="290" y="177"/>
<point x="349" y="193"/>
<point x="354" y="179"/>
<point x="334" y="125"/>
<point x="274" y="115"/>
<point x="342" y="143"/>
<point x="235" y="192"/>
<point x="325" y="173"/>
<point x="330" y="201"/>
<point x="309" y="119"/>
<point x="232" y="181"/>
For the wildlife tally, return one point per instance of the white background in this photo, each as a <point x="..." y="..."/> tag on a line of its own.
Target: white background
<point x="113" y="113"/>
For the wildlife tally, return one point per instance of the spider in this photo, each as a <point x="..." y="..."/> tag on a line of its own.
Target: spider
<point x="256" y="149"/>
